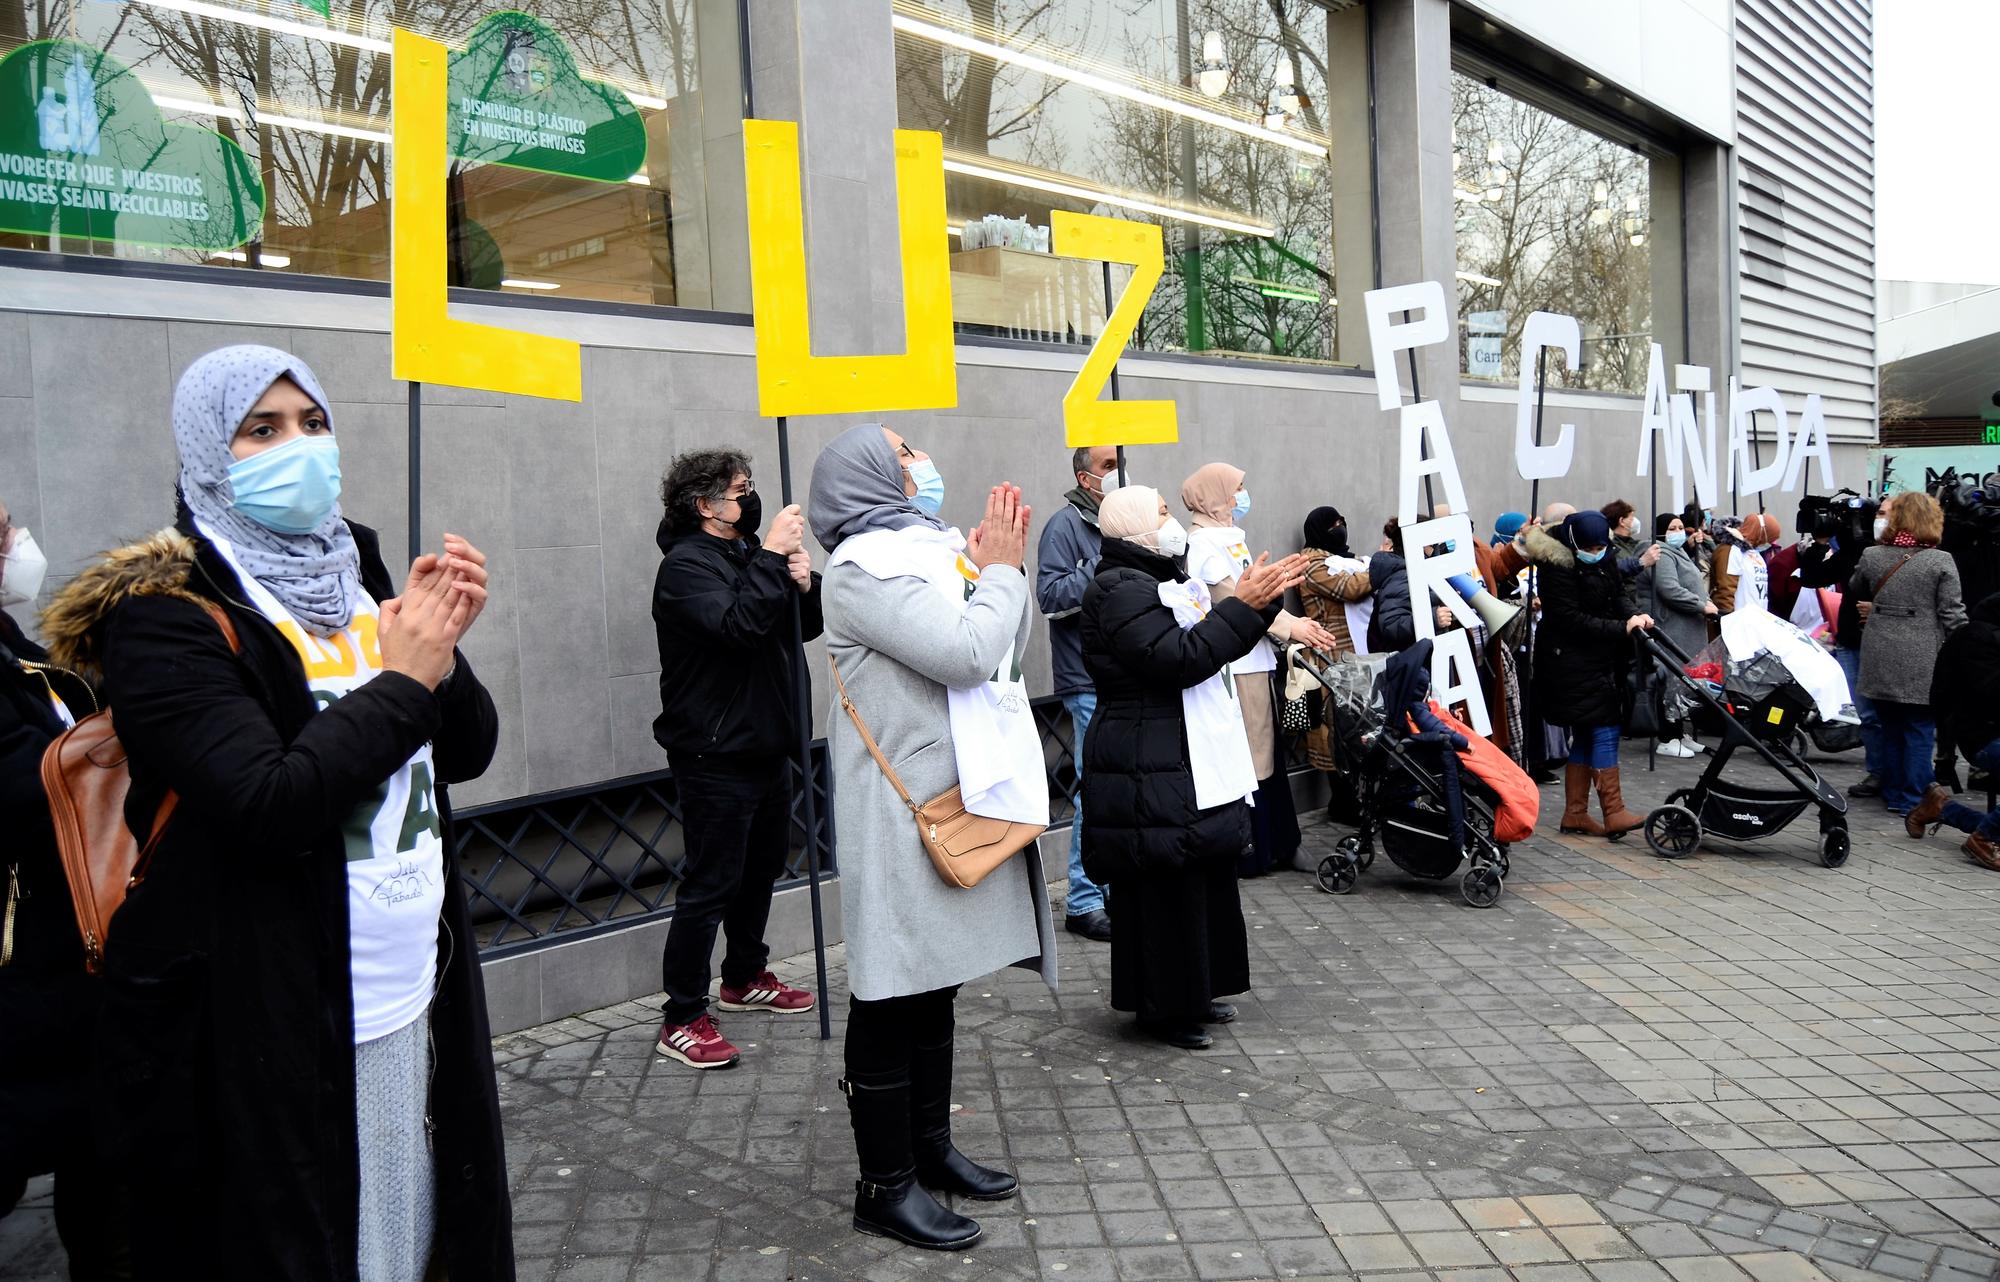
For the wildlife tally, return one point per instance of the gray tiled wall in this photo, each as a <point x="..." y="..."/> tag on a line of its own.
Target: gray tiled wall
<point x="564" y="498"/>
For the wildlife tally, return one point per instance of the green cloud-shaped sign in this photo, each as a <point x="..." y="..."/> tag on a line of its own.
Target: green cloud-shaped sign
<point x="517" y="99"/>
<point x="85" y="155"/>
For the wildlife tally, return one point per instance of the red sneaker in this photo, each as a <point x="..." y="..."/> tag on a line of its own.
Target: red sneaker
<point x="765" y="992"/>
<point x="698" y="1045"/>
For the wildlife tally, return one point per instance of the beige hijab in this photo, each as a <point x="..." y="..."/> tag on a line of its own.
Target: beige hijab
<point x="1210" y="494"/>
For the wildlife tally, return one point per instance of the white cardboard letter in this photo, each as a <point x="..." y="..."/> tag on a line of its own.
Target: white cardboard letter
<point x="1744" y="403"/>
<point x="1812" y="441"/>
<point x="1417" y="420"/>
<point x="1655" y="420"/>
<point x="1454" y="679"/>
<point x="1694" y="451"/>
<point x="1387" y="337"/>
<point x="1542" y="462"/>
<point x="1430" y="576"/>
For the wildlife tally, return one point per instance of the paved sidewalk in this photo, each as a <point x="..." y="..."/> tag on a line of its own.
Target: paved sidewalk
<point x="1740" y="1065"/>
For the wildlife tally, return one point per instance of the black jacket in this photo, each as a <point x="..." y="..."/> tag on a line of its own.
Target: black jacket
<point x="1965" y="685"/>
<point x="226" y="1045"/>
<point x="1821" y="566"/>
<point x="1391" y="627"/>
<point x="47" y="1004"/>
<point x="722" y="613"/>
<point x="1139" y="809"/>
<point x="1065" y="563"/>
<point x="1581" y="649"/>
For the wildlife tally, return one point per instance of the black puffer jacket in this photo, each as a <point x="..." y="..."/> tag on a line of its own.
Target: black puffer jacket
<point x="1965" y="686"/>
<point x="1391" y="627"/>
<point x="1139" y="811"/>
<point x="48" y="1006"/>
<point x="1581" y="649"/>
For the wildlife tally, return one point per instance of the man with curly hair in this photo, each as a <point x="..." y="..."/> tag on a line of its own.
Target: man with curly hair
<point x="729" y="721"/>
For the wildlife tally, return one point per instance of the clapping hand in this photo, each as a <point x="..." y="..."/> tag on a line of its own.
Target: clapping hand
<point x="1306" y="632"/>
<point x="1002" y="538"/>
<point x="1263" y="582"/>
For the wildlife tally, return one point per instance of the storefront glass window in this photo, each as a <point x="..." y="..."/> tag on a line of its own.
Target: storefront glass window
<point x="1208" y="117"/>
<point x="578" y="168"/>
<point x="1551" y="217"/>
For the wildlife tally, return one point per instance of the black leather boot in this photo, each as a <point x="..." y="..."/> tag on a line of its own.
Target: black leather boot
<point x="888" y="1201"/>
<point x="939" y="1164"/>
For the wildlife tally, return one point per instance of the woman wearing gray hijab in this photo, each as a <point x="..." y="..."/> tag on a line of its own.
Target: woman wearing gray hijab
<point x="295" y="1061"/>
<point x="925" y="629"/>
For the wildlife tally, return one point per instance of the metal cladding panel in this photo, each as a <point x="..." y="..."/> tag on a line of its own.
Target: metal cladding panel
<point x="1805" y="172"/>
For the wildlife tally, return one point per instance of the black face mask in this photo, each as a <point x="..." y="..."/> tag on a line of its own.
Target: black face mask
<point x="749" y="514"/>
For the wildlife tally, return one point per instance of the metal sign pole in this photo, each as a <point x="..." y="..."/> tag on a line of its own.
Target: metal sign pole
<point x="809" y="778"/>
<point x="416" y="470"/>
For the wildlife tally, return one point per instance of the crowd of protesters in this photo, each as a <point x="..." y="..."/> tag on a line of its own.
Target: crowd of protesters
<point x="284" y="1055"/>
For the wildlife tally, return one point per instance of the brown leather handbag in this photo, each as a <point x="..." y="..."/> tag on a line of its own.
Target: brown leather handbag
<point x="963" y="847"/>
<point x="86" y="776"/>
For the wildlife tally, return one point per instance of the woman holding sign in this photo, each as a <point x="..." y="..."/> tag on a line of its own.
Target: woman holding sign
<point x="293" y="1050"/>
<point x="925" y="628"/>
<point x="1164" y="818"/>
<point x="1218" y="551"/>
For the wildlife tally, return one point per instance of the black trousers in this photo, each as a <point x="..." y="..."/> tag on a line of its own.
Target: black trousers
<point x="736" y="821"/>
<point x="881" y="1035"/>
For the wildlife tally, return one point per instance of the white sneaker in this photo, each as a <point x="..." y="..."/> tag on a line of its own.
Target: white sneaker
<point x="1692" y="744"/>
<point x="1674" y="748"/>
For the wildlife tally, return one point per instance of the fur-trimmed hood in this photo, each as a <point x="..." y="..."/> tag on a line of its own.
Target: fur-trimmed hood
<point x="1544" y="548"/>
<point x="158" y="565"/>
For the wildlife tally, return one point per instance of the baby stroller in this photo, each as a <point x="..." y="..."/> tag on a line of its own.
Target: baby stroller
<point x="1432" y="807"/>
<point x="1761" y="707"/>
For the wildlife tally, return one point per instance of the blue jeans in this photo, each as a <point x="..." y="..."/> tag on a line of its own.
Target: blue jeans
<point x="1965" y="818"/>
<point x="1909" y="741"/>
<point x="1085" y="896"/>
<point x="1594" y="746"/>
<point x="1871" y="724"/>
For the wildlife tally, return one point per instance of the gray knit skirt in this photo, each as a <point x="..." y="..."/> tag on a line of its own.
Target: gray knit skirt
<point x="392" y="1089"/>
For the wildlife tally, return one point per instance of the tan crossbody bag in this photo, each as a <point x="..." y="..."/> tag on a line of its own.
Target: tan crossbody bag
<point x="963" y="847"/>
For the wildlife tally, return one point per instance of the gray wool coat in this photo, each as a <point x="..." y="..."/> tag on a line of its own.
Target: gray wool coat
<point x="1679" y="593"/>
<point x="898" y="645"/>
<point x="1909" y="620"/>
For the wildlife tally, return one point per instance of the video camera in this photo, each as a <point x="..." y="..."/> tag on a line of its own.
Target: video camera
<point x="1842" y="515"/>
<point x="1971" y="529"/>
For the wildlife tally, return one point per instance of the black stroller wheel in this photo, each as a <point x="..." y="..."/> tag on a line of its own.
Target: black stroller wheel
<point x="1337" y="873"/>
<point x="1679" y="797"/>
<point x="1505" y="866"/>
<point x="1673" y="832"/>
<point x="1481" y="887"/>
<point x="1362" y="853"/>
<point x="1834" y="846"/>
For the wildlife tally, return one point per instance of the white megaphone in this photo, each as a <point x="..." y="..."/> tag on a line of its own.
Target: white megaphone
<point x="1501" y="619"/>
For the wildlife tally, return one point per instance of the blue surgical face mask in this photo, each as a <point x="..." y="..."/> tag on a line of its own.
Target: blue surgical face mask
<point x="929" y="497"/>
<point x="1451" y="545"/>
<point x="1676" y="537"/>
<point x="1591" y="558"/>
<point x="290" y="488"/>
<point x="1242" y="508"/>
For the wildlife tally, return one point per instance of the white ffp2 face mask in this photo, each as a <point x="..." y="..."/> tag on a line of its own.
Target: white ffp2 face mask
<point x="22" y="570"/>
<point x="1173" y="538"/>
<point x="1881" y="527"/>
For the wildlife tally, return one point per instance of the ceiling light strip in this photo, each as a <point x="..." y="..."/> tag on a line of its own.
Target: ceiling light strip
<point x="327" y="127"/>
<point x="333" y="35"/>
<point x="1081" y="192"/>
<point x="1103" y="84"/>
<point x="265" y="22"/>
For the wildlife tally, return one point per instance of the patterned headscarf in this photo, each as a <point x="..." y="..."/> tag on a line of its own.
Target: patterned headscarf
<point x="316" y="576"/>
